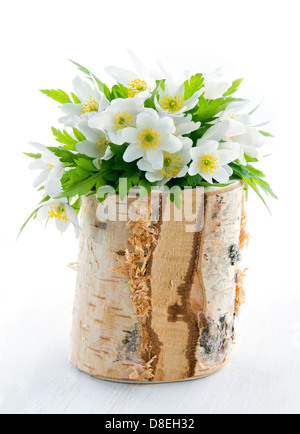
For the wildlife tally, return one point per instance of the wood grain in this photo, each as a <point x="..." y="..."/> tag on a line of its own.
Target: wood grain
<point x="189" y="278"/>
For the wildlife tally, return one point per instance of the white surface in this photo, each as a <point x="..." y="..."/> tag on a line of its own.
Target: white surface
<point x="36" y="286"/>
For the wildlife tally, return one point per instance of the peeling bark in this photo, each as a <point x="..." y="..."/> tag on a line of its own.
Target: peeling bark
<point x="154" y="302"/>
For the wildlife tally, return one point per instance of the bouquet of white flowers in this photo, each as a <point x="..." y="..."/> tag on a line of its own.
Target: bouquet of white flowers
<point x="151" y="130"/>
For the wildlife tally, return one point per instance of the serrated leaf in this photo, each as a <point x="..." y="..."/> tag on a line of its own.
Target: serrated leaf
<point x="58" y="95"/>
<point x="81" y="188"/>
<point x="208" y="109"/>
<point x="234" y="87"/>
<point x="64" y="155"/>
<point x="64" y="138"/>
<point x="191" y="86"/>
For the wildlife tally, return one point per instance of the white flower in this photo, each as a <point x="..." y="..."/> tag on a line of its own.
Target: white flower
<point x="151" y="137"/>
<point x="52" y="171"/>
<point x="139" y="83"/>
<point x="216" y="85"/>
<point x="185" y="125"/>
<point x="210" y="162"/>
<point x="171" y="99"/>
<point x="96" y="144"/>
<point x="120" y="114"/>
<point x="61" y="212"/>
<point x="235" y="132"/>
<point x="175" y="165"/>
<point x="91" y="101"/>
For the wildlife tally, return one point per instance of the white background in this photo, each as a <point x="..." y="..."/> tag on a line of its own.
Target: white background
<point x="255" y="39"/>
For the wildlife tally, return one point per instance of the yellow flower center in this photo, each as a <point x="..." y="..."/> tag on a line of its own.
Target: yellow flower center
<point x="102" y="145"/>
<point x="58" y="211"/>
<point x="208" y="163"/>
<point x="229" y="115"/>
<point x="172" y="103"/>
<point x="148" y="139"/>
<point x="135" y="87"/>
<point x="122" y="120"/>
<point x="90" y="105"/>
<point x="50" y="166"/>
<point x="172" y="165"/>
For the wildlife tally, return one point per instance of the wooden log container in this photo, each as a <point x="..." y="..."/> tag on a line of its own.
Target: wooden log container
<point x="155" y="302"/>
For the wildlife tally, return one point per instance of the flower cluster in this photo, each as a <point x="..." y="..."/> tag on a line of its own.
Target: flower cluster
<point x="151" y="129"/>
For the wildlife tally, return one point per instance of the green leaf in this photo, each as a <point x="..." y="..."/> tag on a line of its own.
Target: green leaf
<point x="75" y="98"/>
<point x="208" y="109"/>
<point x="58" y="95"/>
<point x="149" y="103"/>
<point x="266" y="188"/>
<point x="65" y="156"/>
<point x="102" y="87"/>
<point x="119" y="91"/>
<point x="250" y="159"/>
<point x="234" y="87"/>
<point x="86" y="164"/>
<point x="264" y="133"/>
<point x="191" y="86"/>
<point x="84" y="186"/>
<point x="79" y="136"/>
<point x="64" y="138"/>
<point x="33" y="215"/>
<point x="36" y="156"/>
<point x="254" y="110"/>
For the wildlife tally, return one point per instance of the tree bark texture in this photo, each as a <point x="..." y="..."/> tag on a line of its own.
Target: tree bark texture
<point x="155" y="302"/>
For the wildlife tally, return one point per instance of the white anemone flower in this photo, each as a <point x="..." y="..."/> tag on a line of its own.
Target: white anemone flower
<point x="91" y="101"/>
<point x="237" y="121"/>
<point x="151" y="137"/>
<point x="185" y="125"/>
<point x="139" y="82"/>
<point x="175" y="165"/>
<point x="119" y="115"/>
<point x="52" y="171"/>
<point x="237" y="135"/>
<point x="215" y="85"/>
<point x="96" y="144"/>
<point x="210" y="162"/>
<point x="63" y="214"/>
<point x="171" y="100"/>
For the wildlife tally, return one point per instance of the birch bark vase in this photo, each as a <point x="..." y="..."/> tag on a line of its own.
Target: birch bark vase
<point x="155" y="302"/>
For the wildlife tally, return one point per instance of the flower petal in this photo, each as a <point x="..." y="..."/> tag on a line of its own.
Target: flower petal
<point x="227" y="156"/>
<point x="53" y="187"/>
<point x="221" y="175"/>
<point x="194" y="169"/>
<point x="171" y="144"/>
<point x="61" y="225"/>
<point x="144" y="165"/>
<point x="72" y="216"/>
<point x="156" y="158"/>
<point x="71" y="109"/>
<point x="41" y="178"/>
<point x="129" y="135"/>
<point x="133" y="152"/>
<point x="38" y="146"/>
<point x="88" y="148"/>
<point x="154" y="176"/>
<point x="123" y="76"/>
